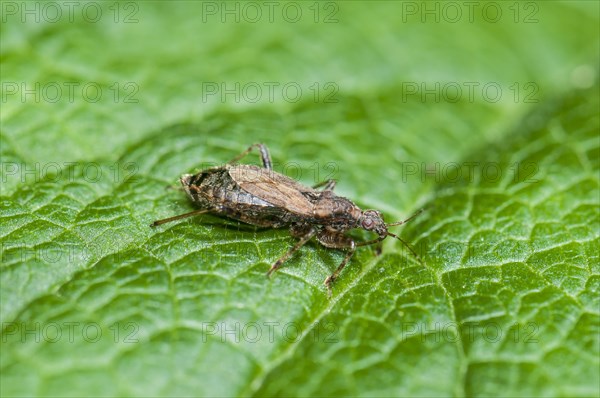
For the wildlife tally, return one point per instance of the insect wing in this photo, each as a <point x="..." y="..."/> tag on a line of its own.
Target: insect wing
<point x="272" y="187"/>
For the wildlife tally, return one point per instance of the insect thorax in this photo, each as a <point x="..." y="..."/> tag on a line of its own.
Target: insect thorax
<point x="337" y="212"/>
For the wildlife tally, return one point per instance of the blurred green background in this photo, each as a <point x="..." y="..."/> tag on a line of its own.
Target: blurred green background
<point x="106" y="103"/>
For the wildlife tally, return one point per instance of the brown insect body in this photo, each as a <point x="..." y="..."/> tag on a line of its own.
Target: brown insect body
<point x="268" y="199"/>
<point x="265" y="198"/>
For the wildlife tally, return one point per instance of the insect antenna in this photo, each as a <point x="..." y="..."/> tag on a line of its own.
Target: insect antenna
<point x="407" y="220"/>
<point x="399" y="238"/>
<point x="405" y="244"/>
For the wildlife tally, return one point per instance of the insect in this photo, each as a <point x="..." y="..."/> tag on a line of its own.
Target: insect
<point x="262" y="197"/>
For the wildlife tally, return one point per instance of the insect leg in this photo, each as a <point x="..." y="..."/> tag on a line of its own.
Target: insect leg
<point x="336" y="240"/>
<point x="303" y="239"/>
<point x="264" y="155"/>
<point x="329" y="185"/>
<point x="185" y="215"/>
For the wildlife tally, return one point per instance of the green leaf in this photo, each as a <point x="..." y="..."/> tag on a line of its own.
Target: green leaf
<point x="504" y="299"/>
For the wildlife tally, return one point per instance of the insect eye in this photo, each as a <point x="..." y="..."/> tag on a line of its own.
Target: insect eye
<point x="367" y="223"/>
